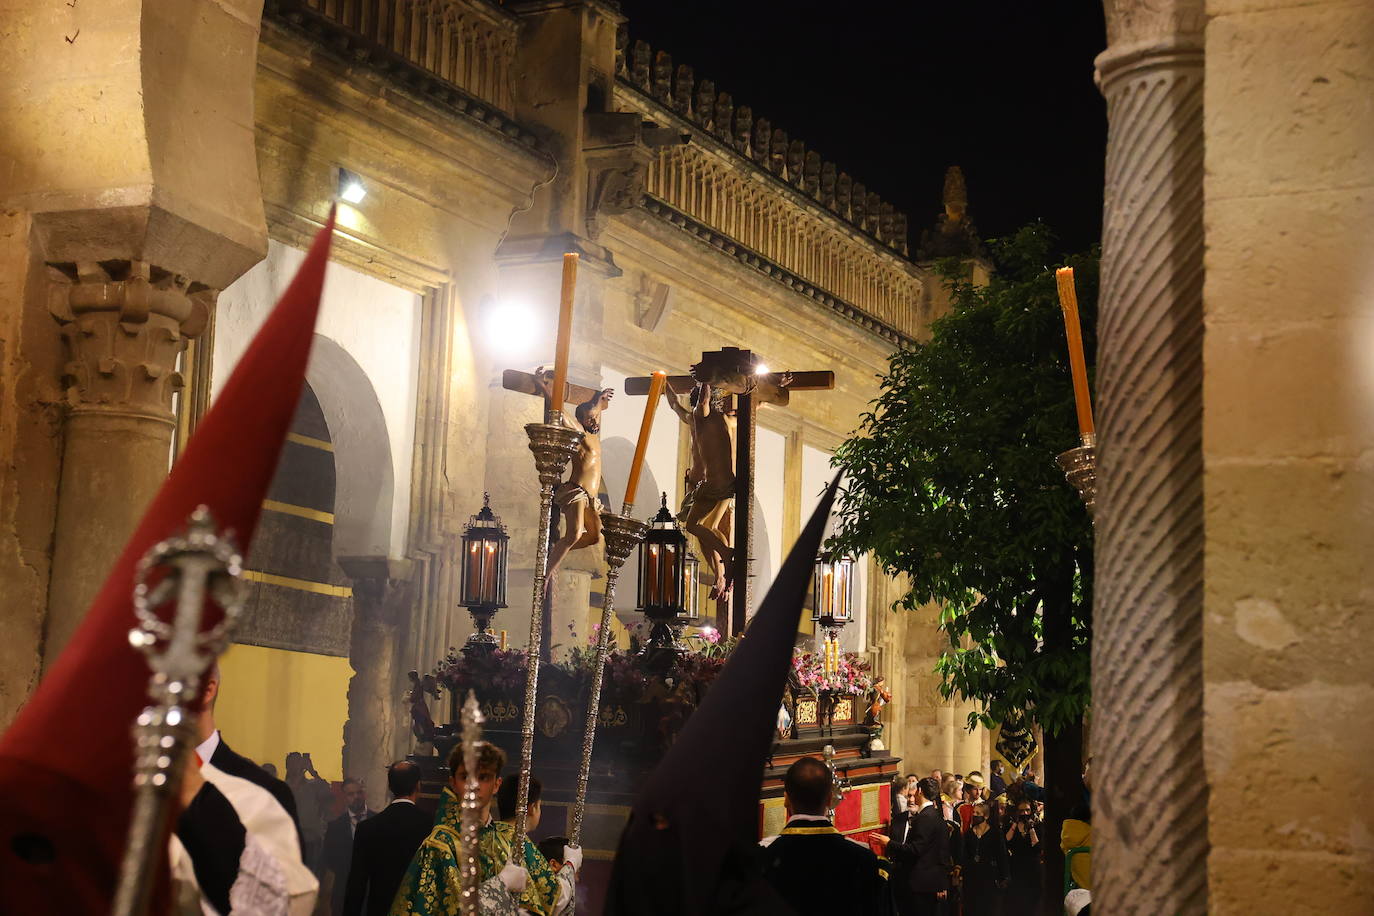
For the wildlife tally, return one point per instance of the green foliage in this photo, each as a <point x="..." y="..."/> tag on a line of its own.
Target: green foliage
<point x="951" y="481"/>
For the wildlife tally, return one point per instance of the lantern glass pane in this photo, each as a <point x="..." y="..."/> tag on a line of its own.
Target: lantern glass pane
<point x="691" y="567"/>
<point x="844" y="581"/>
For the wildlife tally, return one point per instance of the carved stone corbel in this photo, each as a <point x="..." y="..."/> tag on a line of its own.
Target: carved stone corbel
<point x="617" y="158"/>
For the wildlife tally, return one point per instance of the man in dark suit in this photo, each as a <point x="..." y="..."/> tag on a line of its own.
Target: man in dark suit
<point x="810" y="847"/>
<point x="213" y="750"/>
<point x="338" y="841"/>
<point x="917" y="844"/>
<point x="384" y="845"/>
<point x="209" y="825"/>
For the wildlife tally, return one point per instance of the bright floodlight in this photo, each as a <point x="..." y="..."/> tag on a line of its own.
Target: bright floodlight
<point x="510" y="325"/>
<point x="351" y="189"/>
<point x="761" y="369"/>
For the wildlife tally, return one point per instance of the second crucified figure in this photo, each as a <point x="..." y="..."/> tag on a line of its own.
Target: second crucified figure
<point x="711" y="505"/>
<point x="576" y="497"/>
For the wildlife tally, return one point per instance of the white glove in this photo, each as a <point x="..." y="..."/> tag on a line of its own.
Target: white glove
<point x="514" y="877"/>
<point x="572" y="855"/>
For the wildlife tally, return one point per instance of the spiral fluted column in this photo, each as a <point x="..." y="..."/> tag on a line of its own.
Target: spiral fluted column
<point x="1150" y="803"/>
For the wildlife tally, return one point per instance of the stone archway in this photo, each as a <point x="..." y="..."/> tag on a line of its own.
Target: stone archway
<point x="364" y="498"/>
<point x="357" y="426"/>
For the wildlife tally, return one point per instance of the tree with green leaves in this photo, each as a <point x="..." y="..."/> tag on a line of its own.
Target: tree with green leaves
<point x="951" y="483"/>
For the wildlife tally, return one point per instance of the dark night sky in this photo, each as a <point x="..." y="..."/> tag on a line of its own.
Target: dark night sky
<point x="893" y="92"/>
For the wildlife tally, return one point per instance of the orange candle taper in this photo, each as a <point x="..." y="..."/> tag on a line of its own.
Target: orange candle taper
<point x="560" y="355"/>
<point x="1068" y="301"/>
<point x="646" y="426"/>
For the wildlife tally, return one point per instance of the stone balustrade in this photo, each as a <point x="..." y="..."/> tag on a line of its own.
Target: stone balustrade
<point x="468" y="43"/>
<point x="758" y="140"/>
<point x="753" y="188"/>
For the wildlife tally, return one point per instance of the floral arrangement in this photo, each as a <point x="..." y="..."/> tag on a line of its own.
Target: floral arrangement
<point x="625" y="676"/>
<point x="678" y="689"/>
<point x="501" y="670"/>
<point x="850" y="677"/>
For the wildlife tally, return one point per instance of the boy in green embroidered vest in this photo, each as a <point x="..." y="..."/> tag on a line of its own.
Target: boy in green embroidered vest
<point x="551" y="892"/>
<point x="432" y="885"/>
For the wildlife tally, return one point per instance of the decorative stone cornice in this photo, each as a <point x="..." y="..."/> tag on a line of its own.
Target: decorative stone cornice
<point x="357" y="49"/>
<point x="763" y="265"/>
<point x="124" y="323"/>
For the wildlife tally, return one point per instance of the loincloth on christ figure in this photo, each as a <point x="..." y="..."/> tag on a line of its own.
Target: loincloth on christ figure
<point x="714" y="491"/>
<point x="571" y="494"/>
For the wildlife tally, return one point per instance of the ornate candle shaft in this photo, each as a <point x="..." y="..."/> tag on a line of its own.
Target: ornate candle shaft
<point x="553" y="446"/>
<point x="622" y="533"/>
<point x="200" y="564"/>
<point x="468" y="867"/>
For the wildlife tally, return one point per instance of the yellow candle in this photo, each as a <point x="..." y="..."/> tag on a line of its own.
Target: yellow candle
<point x="503" y="640"/>
<point x="560" y="356"/>
<point x="646" y="426"/>
<point x="1068" y="301"/>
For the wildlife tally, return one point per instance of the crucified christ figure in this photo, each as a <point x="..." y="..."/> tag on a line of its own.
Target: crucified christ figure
<point x="576" y="497"/>
<point x="710" y="516"/>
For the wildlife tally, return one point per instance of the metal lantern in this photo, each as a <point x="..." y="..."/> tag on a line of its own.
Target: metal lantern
<point x="833" y="603"/>
<point x="667" y="580"/>
<point x="834" y="596"/>
<point x="483" y="573"/>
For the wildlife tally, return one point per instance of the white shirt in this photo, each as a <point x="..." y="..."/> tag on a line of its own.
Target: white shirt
<point x="911" y="816"/>
<point x="206" y="749"/>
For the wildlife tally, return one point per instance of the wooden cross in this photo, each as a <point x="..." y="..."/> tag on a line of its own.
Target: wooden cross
<point x="769" y="388"/>
<point x="525" y="383"/>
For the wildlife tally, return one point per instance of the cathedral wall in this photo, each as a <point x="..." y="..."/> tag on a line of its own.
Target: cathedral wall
<point x="1287" y="435"/>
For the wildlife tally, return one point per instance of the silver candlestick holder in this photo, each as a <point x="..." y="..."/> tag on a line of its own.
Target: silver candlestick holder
<point x="1080" y="468"/>
<point x="553" y="446"/>
<point x="622" y="534"/>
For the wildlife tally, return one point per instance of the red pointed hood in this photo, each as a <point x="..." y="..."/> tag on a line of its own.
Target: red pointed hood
<point x="66" y="763"/>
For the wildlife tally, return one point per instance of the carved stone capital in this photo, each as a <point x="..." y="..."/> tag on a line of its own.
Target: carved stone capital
<point x="381" y="588"/>
<point x="123" y="325"/>
<point x="1146" y="34"/>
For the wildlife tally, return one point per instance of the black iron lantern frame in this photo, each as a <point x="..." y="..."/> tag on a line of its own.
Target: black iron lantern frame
<point x="833" y="604"/>
<point x="482" y="582"/>
<point x="667" y="581"/>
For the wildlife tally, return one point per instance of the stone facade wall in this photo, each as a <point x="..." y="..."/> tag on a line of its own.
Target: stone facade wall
<point x="1287" y="435"/>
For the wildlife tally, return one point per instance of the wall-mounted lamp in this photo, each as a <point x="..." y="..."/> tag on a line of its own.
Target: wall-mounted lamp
<point x="351" y="187"/>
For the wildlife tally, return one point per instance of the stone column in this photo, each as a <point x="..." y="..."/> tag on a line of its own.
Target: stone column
<point x="123" y="327"/>
<point x="928" y="733"/>
<point x="1150" y="838"/>
<point x="1288" y="433"/>
<point x="131" y="182"/>
<point x="376" y="711"/>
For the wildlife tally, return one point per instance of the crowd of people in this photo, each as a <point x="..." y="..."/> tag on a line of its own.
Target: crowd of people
<point x="989" y="860"/>
<point x="956" y="845"/>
